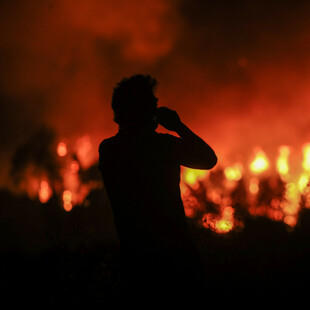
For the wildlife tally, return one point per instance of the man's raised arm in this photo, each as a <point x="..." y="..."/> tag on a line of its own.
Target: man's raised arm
<point x="192" y="151"/>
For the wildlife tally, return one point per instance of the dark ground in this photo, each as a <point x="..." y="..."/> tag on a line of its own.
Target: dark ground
<point x="53" y="257"/>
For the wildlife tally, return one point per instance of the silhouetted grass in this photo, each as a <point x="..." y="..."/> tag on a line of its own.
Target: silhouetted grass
<point x="55" y="257"/>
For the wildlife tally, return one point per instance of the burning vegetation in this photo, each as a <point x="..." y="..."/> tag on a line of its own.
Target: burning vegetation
<point x="219" y="200"/>
<point x="44" y="167"/>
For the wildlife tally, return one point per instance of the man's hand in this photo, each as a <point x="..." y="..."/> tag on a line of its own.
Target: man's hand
<point x="168" y="118"/>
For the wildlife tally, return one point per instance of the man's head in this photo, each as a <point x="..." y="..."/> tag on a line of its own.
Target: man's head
<point x="134" y="103"/>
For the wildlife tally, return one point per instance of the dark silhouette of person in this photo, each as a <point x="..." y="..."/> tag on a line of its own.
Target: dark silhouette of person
<point x="141" y="173"/>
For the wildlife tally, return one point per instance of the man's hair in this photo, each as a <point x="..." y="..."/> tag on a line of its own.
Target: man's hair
<point x="133" y="96"/>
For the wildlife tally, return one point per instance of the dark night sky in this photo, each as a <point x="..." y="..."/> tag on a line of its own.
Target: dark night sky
<point x="236" y="71"/>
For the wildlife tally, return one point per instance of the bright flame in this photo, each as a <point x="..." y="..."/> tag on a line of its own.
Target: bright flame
<point x="306" y="153"/>
<point x="67" y="200"/>
<point x="45" y="192"/>
<point x="75" y="166"/>
<point x="303" y="182"/>
<point x="260" y="163"/>
<point x="220" y="224"/>
<point x="282" y="161"/>
<point x="193" y="176"/>
<point x="226" y="223"/>
<point x="233" y="173"/>
<point x="254" y="186"/>
<point x="290" y="220"/>
<point x="62" y="149"/>
<point x="85" y="151"/>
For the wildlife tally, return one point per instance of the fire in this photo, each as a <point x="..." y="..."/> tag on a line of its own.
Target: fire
<point x="306" y="161"/>
<point x="193" y="176"/>
<point x="302" y="182"/>
<point x="278" y="197"/>
<point x="67" y="200"/>
<point x="226" y="222"/>
<point x="220" y="224"/>
<point x="254" y="186"/>
<point x="260" y="163"/>
<point x="85" y="151"/>
<point x="234" y="173"/>
<point x="75" y="166"/>
<point x="211" y="198"/>
<point x="282" y="161"/>
<point x="45" y="192"/>
<point x="62" y="149"/>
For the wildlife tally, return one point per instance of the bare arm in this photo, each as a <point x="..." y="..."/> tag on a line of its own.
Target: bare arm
<point x="192" y="151"/>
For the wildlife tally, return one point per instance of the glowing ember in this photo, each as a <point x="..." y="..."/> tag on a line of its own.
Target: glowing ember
<point x="220" y="224"/>
<point x="67" y="200"/>
<point x="190" y="206"/>
<point x="75" y="166"/>
<point x="233" y="173"/>
<point x="282" y="161"/>
<point x="62" y="149"/>
<point x="306" y="153"/>
<point x="85" y="151"/>
<point x="45" y="192"/>
<point x="193" y="176"/>
<point x="260" y="163"/>
<point x="254" y="186"/>
<point x="302" y="182"/>
<point x="226" y="223"/>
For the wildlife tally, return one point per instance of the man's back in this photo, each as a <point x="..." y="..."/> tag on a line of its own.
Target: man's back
<point x="141" y="175"/>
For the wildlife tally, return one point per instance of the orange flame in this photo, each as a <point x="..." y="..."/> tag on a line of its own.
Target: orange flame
<point x="220" y="224"/>
<point x="193" y="176"/>
<point x="62" y="149"/>
<point x="67" y="200"/>
<point x="282" y="161"/>
<point x="226" y="222"/>
<point x="260" y="163"/>
<point x="234" y="173"/>
<point x="45" y="192"/>
<point x="306" y="161"/>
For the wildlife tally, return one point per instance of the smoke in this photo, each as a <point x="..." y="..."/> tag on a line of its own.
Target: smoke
<point x="236" y="71"/>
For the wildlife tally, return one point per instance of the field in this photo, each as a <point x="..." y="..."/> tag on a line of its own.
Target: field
<point x="56" y="257"/>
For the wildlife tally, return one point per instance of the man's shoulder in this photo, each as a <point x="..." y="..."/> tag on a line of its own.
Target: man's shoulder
<point x="107" y="143"/>
<point x="167" y="137"/>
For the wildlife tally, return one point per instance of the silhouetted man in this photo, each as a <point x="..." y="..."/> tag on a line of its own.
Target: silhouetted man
<point x="141" y="174"/>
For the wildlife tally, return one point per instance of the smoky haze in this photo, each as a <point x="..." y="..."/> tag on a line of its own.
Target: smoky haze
<point x="236" y="71"/>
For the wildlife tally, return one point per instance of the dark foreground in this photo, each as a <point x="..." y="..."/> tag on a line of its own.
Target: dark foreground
<point x="55" y="258"/>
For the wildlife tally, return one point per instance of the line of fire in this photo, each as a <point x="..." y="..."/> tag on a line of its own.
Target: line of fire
<point x="217" y="200"/>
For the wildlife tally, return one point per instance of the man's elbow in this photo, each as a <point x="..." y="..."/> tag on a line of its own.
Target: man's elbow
<point x="212" y="161"/>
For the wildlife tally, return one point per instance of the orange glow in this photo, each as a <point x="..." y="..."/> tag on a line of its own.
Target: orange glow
<point x="260" y="163"/>
<point x="215" y="195"/>
<point x="220" y="224"/>
<point x="254" y="186"/>
<point x="234" y="173"/>
<point x="85" y="151"/>
<point x="290" y="220"/>
<point x="45" y="191"/>
<point x="306" y="153"/>
<point x="75" y="167"/>
<point x="67" y="200"/>
<point x="226" y="223"/>
<point x="302" y="182"/>
<point x="282" y="161"/>
<point x="193" y="176"/>
<point x="62" y="149"/>
<point x="275" y="215"/>
<point x="242" y="62"/>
